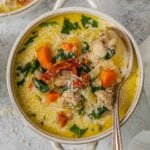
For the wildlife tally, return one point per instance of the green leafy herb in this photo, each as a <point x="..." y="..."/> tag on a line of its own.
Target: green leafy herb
<point x="109" y="54"/>
<point x="83" y="68"/>
<point x="71" y="55"/>
<point x="81" y="111"/>
<point x="42" y="70"/>
<point x="97" y="113"/>
<point x="40" y="85"/>
<point x="29" y="41"/>
<point x="85" y="47"/>
<point x="34" y="65"/>
<point x="31" y="114"/>
<point x="63" y="56"/>
<point x="88" y="22"/>
<point x="68" y="26"/>
<point x="63" y="89"/>
<point x="46" y="24"/>
<point x="96" y="88"/>
<point x="29" y="67"/>
<point x="20" y="83"/>
<point x="77" y="131"/>
<point x="60" y="56"/>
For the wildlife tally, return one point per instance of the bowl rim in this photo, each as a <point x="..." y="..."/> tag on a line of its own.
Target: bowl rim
<point x="21" y="9"/>
<point x="52" y="14"/>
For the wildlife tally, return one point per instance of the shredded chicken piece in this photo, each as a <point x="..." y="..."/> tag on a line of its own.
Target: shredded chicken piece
<point x="62" y="78"/>
<point x="105" y="98"/>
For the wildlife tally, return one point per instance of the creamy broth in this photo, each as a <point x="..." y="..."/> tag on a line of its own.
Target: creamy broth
<point x="49" y="107"/>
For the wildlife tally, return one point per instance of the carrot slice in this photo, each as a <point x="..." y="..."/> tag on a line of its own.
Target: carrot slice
<point x="23" y="2"/>
<point x="30" y="85"/>
<point x="68" y="47"/>
<point x="52" y="97"/>
<point x="62" y="119"/>
<point x="44" y="57"/>
<point x="73" y="45"/>
<point x="108" y="77"/>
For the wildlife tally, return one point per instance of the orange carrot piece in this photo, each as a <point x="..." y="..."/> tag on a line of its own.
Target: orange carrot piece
<point x="62" y="119"/>
<point x="108" y="77"/>
<point x="68" y="47"/>
<point x="23" y="2"/>
<point x="52" y="97"/>
<point x="44" y="57"/>
<point x="30" y="85"/>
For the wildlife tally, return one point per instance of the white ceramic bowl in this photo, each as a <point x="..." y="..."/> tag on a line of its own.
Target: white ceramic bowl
<point x="11" y="63"/>
<point x="22" y="9"/>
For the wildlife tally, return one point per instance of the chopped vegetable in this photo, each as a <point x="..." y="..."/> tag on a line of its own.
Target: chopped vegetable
<point x="77" y="131"/>
<point x="29" y="41"/>
<point x="97" y="113"/>
<point x="108" y="77"/>
<point x="109" y="54"/>
<point x="83" y="68"/>
<point x="63" y="56"/>
<point x="68" y="47"/>
<point x="69" y="64"/>
<point x="33" y="65"/>
<point x="31" y="114"/>
<point x="23" y="2"/>
<point x="20" y="83"/>
<point x="40" y="85"/>
<point x="96" y="88"/>
<point x="85" y="47"/>
<point x="68" y="26"/>
<point x="62" y="119"/>
<point x="88" y="22"/>
<point x="63" y="89"/>
<point x="44" y="57"/>
<point x="46" y="24"/>
<point x="52" y="96"/>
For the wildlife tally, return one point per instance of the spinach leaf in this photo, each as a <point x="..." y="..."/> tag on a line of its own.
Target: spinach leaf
<point x="85" y="47"/>
<point x="63" y="56"/>
<point x="109" y="54"/>
<point x="81" y="111"/>
<point x="63" y="89"/>
<point x="46" y="24"/>
<point x="30" y="40"/>
<point x="40" y="85"/>
<point x="96" y="88"/>
<point x="60" y="56"/>
<point x="20" y="83"/>
<point x="29" y="67"/>
<point x="97" y="113"/>
<point x="34" y="65"/>
<point x="83" y="68"/>
<point x="71" y="55"/>
<point x="68" y="26"/>
<point x="88" y="22"/>
<point x="31" y="114"/>
<point x="77" y="131"/>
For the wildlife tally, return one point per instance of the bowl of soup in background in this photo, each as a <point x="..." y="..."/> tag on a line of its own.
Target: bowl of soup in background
<point x="15" y="7"/>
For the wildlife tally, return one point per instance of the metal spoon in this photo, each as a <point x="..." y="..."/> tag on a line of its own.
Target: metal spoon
<point x="117" y="141"/>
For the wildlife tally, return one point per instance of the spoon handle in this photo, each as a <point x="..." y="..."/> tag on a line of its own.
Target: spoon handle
<point x="117" y="141"/>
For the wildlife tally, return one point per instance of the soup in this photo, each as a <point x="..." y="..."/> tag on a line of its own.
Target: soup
<point x="11" y="5"/>
<point x="65" y="72"/>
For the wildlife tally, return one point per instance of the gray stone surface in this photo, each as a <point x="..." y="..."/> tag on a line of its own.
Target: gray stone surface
<point x="14" y="134"/>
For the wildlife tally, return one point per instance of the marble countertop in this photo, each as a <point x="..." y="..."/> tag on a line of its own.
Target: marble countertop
<point x="14" y="134"/>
